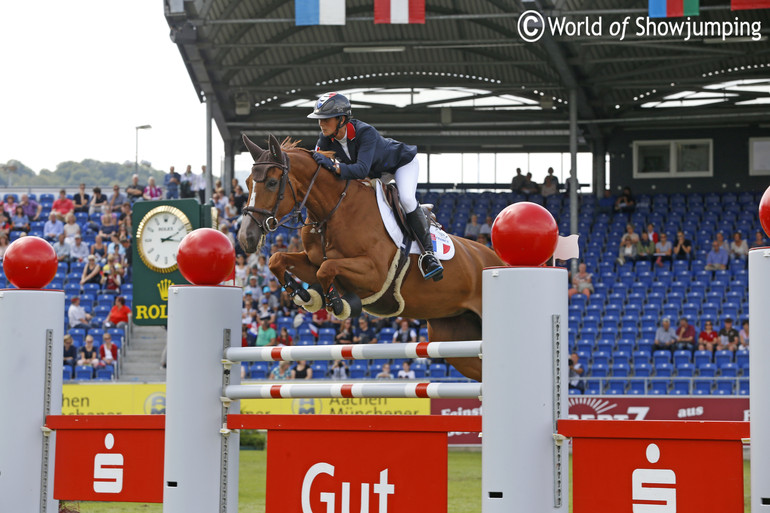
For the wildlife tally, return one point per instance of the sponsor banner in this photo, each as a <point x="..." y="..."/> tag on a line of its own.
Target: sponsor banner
<point x="150" y="399"/>
<point x="615" y="408"/>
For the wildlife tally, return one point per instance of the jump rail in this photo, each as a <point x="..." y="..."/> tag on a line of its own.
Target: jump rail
<point x="355" y="352"/>
<point x="355" y="390"/>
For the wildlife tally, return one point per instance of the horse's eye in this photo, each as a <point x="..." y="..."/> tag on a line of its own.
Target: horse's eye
<point x="272" y="182"/>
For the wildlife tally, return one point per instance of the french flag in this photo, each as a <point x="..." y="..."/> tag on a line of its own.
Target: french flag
<point x="319" y="12"/>
<point x="399" y="11"/>
<point x="673" y="8"/>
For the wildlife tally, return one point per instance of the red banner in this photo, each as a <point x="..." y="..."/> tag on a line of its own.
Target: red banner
<point x="749" y="4"/>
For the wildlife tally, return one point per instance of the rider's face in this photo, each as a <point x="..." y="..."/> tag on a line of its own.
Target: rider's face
<point x="328" y="126"/>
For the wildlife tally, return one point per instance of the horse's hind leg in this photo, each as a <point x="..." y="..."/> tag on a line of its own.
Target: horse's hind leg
<point x="466" y="326"/>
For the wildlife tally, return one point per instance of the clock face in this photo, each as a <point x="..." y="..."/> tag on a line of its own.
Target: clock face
<point x="159" y="235"/>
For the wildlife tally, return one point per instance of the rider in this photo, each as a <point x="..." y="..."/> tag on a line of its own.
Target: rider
<point x="361" y="152"/>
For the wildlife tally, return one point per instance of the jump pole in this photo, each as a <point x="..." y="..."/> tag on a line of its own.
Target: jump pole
<point x="30" y="389"/>
<point x="201" y="455"/>
<point x="759" y="399"/>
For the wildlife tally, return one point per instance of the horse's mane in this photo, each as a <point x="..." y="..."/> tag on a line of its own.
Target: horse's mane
<point x="290" y="144"/>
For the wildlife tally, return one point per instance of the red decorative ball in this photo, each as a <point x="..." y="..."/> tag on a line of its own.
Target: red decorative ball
<point x="30" y="263"/>
<point x="764" y="211"/>
<point x="525" y="234"/>
<point x="206" y="257"/>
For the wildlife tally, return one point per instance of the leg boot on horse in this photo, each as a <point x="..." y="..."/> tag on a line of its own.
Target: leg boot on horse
<point x="429" y="265"/>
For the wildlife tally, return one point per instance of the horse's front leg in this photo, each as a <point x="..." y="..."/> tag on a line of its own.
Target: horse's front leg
<point x="284" y="265"/>
<point x="357" y="273"/>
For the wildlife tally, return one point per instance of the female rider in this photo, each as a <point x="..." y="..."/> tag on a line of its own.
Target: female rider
<point x="361" y="152"/>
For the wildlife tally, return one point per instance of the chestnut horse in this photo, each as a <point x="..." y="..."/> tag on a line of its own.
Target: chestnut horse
<point x="349" y="253"/>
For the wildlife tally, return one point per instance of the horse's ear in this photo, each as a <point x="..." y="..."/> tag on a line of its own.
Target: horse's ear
<point x="274" y="147"/>
<point x="256" y="151"/>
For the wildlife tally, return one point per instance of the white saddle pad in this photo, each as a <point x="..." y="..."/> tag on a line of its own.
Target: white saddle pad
<point x="443" y="246"/>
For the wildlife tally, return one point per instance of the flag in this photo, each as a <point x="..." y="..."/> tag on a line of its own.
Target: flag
<point x="399" y="11"/>
<point x="749" y="4"/>
<point x="673" y="8"/>
<point x="567" y="248"/>
<point x="319" y="12"/>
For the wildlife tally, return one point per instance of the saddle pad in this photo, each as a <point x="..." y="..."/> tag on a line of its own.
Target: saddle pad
<point x="443" y="246"/>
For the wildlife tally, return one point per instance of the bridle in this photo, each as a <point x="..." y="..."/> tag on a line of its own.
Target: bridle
<point x="271" y="223"/>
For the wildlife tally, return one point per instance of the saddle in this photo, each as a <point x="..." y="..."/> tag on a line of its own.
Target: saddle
<point x="392" y="198"/>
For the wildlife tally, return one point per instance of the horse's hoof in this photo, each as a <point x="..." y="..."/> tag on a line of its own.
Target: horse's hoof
<point x="315" y="300"/>
<point x="345" y="313"/>
<point x="353" y="303"/>
<point x="304" y="295"/>
<point x="337" y="307"/>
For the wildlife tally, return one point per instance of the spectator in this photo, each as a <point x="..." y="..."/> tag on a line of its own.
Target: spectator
<point x="88" y="353"/>
<point x="529" y="187"/>
<point x="708" y="337"/>
<point x="231" y="211"/>
<point x="651" y="233"/>
<point x="81" y="199"/>
<point x="109" y="225"/>
<point x="125" y="243"/>
<point x="625" y="202"/>
<point x="253" y="288"/>
<point x="71" y="228"/>
<point x="295" y="245"/>
<point x="52" y="228"/>
<point x="3" y="245"/>
<point x="119" y="315"/>
<point x="112" y="275"/>
<point x="116" y="249"/>
<point x="118" y="199"/>
<point x="484" y="240"/>
<point x="9" y="207"/>
<point x="5" y="223"/>
<point x="188" y="186"/>
<point x="79" y="251"/>
<point x="385" y="372"/>
<point x="628" y="251"/>
<point x="280" y="372"/>
<point x="32" y="208"/>
<point x="134" y="190"/>
<point x="99" y="202"/>
<point x="124" y="218"/>
<point x="729" y="338"/>
<point x="738" y="247"/>
<point x="339" y="370"/>
<point x="19" y="220"/>
<point x="663" y="250"/>
<point x="665" y="336"/>
<point x="364" y="334"/>
<point x="283" y="338"/>
<point x="273" y="293"/>
<point x="302" y="371"/>
<point x="77" y="315"/>
<point x="202" y="179"/>
<point x="720" y="238"/>
<point x="581" y="282"/>
<point x="241" y="271"/>
<point x="63" y="206"/>
<point x="152" y="192"/>
<point x="716" y="259"/>
<point x="486" y="228"/>
<point x="683" y="248"/>
<point x="92" y="272"/>
<point x="99" y="250"/>
<point x="171" y="183"/>
<point x="345" y="334"/>
<point x="279" y="246"/>
<point x="70" y="353"/>
<point x="606" y="203"/>
<point x="630" y="234"/>
<point x="265" y="333"/>
<point x="518" y="181"/>
<point x="744" y="335"/>
<point x="550" y="184"/>
<point x="108" y="352"/>
<point x="406" y="371"/>
<point x="575" y="372"/>
<point x="685" y="336"/>
<point x="62" y="249"/>
<point x="472" y="228"/>
<point x="759" y="240"/>
<point x="405" y="333"/>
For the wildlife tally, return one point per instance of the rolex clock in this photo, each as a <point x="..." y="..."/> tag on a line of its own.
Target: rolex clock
<point x="158" y="236"/>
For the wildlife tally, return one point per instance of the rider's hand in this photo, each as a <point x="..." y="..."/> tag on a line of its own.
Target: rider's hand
<point x="324" y="161"/>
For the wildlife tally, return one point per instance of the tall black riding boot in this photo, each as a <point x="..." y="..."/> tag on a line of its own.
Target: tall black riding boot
<point x="429" y="265"/>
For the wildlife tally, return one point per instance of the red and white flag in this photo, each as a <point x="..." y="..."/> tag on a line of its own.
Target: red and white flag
<point x="399" y="11"/>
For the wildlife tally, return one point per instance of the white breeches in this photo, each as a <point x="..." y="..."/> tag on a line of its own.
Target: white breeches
<point x="406" y="180"/>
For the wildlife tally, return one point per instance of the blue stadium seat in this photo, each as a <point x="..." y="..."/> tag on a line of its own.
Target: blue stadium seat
<point x="661" y="356"/>
<point x="617" y="387"/>
<point x="601" y="358"/>
<point x="681" y="386"/>
<point x="84" y="372"/>
<point x="259" y="370"/>
<point x="642" y="370"/>
<point x="659" y="386"/>
<point x="702" y="386"/>
<point x="723" y="357"/>
<point x="742" y="358"/>
<point x="707" y="370"/>
<point x="664" y="370"/>
<point x="685" y="370"/>
<point x="743" y="387"/>
<point x="438" y="370"/>
<point x="725" y="387"/>
<point x="682" y="356"/>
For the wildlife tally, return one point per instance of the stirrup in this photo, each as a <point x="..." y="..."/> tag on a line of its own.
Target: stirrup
<point x="436" y="273"/>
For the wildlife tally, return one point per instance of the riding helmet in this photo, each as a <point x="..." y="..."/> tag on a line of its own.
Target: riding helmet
<point x="331" y="105"/>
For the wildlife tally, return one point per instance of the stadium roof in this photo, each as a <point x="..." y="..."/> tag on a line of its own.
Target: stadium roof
<point x="466" y="80"/>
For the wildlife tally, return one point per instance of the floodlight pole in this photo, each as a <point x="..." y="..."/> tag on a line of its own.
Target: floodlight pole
<point x="136" y="148"/>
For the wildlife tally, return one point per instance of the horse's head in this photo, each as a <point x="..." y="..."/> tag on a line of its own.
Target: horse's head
<point x="267" y="202"/>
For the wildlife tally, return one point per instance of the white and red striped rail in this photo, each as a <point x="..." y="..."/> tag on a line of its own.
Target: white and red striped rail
<point x="355" y="390"/>
<point x="459" y="349"/>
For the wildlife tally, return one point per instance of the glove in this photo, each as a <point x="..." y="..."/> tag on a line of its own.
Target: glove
<point x="324" y="161"/>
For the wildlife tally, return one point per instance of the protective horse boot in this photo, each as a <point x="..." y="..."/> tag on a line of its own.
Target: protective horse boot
<point x="429" y="265"/>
